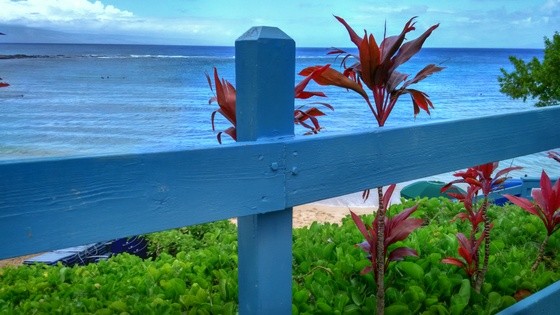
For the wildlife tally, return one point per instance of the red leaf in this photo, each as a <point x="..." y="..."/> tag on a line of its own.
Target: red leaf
<point x="230" y="132"/>
<point x="315" y="72"/>
<point x="369" y="60"/>
<point x="402" y="231"/>
<point x="422" y="74"/>
<point x="314" y="112"/>
<point x="225" y="96"/>
<point x="523" y="203"/>
<point x="395" y="79"/>
<point x="367" y="270"/>
<point x="391" y="45"/>
<point x="554" y="155"/>
<point x="448" y="185"/>
<point x="506" y="171"/>
<point x="465" y="247"/>
<point x="336" y="51"/>
<point x="300" y="117"/>
<point x="306" y="94"/>
<point x="453" y="261"/>
<point x="388" y="194"/>
<point x="362" y="228"/>
<point x="400" y="226"/>
<point x="209" y="84"/>
<point x="353" y="36"/>
<point x="412" y="47"/>
<point x="333" y="77"/>
<point x="329" y="106"/>
<point x="401" y="252"/>
<point x="365" y="194"/>
<point x="420" y="100"/>
<point x="3" y="84"/>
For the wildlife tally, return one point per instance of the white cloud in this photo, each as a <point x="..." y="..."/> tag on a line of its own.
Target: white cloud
<point x="83" y="16"/>
<point x="59" y="12"/>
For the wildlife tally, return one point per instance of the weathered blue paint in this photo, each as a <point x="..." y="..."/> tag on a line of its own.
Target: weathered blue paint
<point x="52" y="204"/>
<point x="540" y="303"/>
<point x="264" y="66"/>
<point x="48" y="204"/>
<point x="337" y="165"/>
<point x="264" y="78"/>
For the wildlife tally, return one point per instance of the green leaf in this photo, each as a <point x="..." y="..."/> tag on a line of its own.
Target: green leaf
<point x="397" y="309"/>
<point x="507" y="301"/>
<point x="118" y="306"/>
<point x="357" y="298"/>
<point x="324" y="307"/>
<point x="352" y="309"/>
<point x="411" y="269"/>
<point x="438" y="309"/>
<point x="301" y="296"/>
<point x="494" y="302"/>
<point x="460" y="300"/>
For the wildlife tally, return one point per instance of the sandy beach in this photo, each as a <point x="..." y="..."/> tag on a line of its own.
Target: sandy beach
<point x="307" y="214"/>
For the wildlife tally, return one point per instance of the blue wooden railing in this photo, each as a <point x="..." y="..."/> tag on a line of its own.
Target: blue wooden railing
<point x="53" y="203"/>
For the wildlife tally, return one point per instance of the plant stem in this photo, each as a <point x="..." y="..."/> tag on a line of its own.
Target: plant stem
<point x="476" y="256"/>
<point x="380" y="263"/>
<point x="541" y="253"/>
<point x="486" y="232"/>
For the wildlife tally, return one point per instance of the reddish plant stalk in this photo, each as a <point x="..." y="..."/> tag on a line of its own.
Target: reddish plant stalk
<point x="380" y="296"/>
<point x="486" y="236"/>
<point x="541" y="253"/>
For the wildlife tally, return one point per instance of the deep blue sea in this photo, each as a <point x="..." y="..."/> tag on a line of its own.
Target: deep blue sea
<point x="100" y="99"/>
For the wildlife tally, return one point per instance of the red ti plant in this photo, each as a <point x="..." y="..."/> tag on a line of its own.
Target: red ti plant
<point x="375" y="66"/>
<point x="468" y="250"/>
<point x="473" y="215"/>
<point x="226" y="98"/>
<point x="480" y="179"/>
<point x="300" y="116"/>
<point x="397" y="229"/>
<point x="546" y="206"/>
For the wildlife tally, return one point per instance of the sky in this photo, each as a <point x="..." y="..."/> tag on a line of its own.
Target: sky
<point x="463" y="23"/>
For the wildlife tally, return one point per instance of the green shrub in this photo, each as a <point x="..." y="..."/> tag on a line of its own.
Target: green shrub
<point x="194" y="270"/>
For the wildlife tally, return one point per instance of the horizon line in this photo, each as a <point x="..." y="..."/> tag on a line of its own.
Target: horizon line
<point x="232" y="46"/>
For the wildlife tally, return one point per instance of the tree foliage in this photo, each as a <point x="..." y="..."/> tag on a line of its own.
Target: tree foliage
<point x="535" y="79"/>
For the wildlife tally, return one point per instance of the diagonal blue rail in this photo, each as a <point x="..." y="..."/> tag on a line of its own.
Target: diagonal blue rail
<point x="53" y="203"/>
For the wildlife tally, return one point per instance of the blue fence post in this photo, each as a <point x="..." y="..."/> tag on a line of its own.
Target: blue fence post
<point x="265" y="67"/>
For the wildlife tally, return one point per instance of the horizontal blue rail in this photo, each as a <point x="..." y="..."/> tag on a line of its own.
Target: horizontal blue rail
<point x="55" y="203"/>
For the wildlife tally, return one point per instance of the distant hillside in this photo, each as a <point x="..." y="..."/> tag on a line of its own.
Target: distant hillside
<point x="24" y="34"/>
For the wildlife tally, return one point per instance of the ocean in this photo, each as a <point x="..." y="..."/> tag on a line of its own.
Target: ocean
<point x="69" y="99"/>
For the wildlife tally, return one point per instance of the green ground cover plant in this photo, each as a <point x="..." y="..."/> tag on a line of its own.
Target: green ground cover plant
<point x="193" y="271"/>
<point x="546" y="206"/>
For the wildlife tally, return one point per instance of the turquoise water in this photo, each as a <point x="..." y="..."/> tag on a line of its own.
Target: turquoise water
<point x="99" y="99"/>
